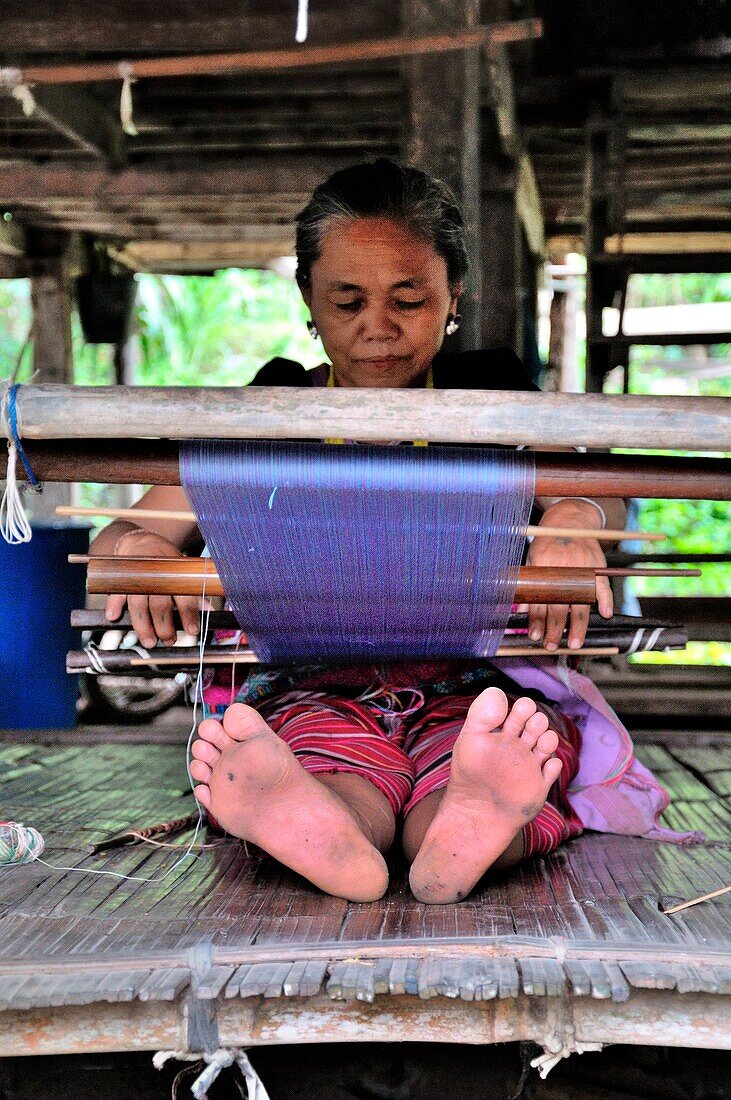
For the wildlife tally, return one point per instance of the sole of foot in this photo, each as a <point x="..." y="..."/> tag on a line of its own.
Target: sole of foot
<point x="502" y="770"/>
<point x="257" y="790"/>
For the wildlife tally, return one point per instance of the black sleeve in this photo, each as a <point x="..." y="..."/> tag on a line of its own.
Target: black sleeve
<point x="281" y="372"/>
<point x="488" y="369"/>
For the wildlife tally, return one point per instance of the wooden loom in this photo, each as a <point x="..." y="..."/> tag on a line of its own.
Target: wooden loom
<point x="570" y="950"/>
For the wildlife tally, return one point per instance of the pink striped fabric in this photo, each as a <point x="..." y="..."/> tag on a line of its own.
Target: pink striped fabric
<point x="330" y="735"/>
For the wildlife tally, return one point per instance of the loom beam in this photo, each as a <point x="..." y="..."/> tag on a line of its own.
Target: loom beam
<point x="439" y="416"/>
<point x="189" y="576"/>
<point x="155" y="462"/>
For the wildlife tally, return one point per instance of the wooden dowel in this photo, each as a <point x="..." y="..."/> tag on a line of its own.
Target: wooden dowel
<point x="296" y="57"/>
<point x="155" y="462"/>
<point x="141" y="514"/>
<point x="697" y="901"/>
<point x="248" y="658"/>
<point x="447" y="416"/>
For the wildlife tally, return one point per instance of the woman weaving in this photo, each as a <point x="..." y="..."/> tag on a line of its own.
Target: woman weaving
<point x="322" y="770"/>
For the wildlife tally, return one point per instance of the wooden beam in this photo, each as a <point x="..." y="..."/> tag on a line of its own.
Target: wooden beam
<point x="77" y="117"/>
<point x="124" y="462"/>
<point x="448" y="416"/>
<point x="473" y="37"/>
<point x="261" y="177"/>
<point x="443" y="129"/>
<point x="12" y="239"/>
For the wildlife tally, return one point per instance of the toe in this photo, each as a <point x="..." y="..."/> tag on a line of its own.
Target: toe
<point x="546" y="744"/>
<point x="203" y="795"/>
<point x="552" y="770"/>
<point x="241" y="721"/>
<point x="204" y="750"/>
<point x="488" y="710"/>
<point x="200" y="771"/>
<point x="534" y="727"/>
<point x="211" y="730"/>
<point x="521" y="711"/>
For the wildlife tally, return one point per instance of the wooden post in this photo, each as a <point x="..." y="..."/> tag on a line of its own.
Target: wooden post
<point x="501" y="256"/>
<point x="442" y="133"/>
<point x="52" y="358"/>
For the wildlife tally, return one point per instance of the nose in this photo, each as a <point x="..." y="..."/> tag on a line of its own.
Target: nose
<point x="378" y="323"/>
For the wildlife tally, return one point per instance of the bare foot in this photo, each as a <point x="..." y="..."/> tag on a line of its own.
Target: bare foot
<point x="256" y="788"/>
<point x="502" y="771"/>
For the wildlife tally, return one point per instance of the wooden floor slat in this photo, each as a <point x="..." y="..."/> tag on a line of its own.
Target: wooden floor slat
<point x="75" y="937"/>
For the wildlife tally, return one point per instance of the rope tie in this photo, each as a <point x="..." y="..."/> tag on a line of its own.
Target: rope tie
<point x="19" y="843"/>
<point x="218" y="1060"/>
<point x="126" y="107"/>
<point x="14" y="525"/>
<point x="300" y="34"/>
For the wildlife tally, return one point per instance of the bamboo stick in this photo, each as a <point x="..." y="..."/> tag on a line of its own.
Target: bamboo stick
<point x="447" y="416"/>
<point x="131" y="461"/>
<point x="248" y="658"/>
<point x="697" y="901"/>
<point x="531" y="531"/>
<point x="296" y="57"/>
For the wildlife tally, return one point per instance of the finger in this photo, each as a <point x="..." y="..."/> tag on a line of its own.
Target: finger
<point x="604" y="597"/>
<point x="114" y="607"/>
<point x="188" y="609"/>
<point x="521" y="609"/>
<point x="139" y="613"/>
<point x="161" y="610"/>
<point x="555" y="623"/>
<point x="578" y="625"/>
<point x="536" y="621"/>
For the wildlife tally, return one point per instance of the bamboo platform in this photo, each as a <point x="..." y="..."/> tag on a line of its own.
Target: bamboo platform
<point x="230" y="949"/>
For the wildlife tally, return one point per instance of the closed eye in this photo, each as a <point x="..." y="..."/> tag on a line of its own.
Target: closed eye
<point x="411" y="305"/>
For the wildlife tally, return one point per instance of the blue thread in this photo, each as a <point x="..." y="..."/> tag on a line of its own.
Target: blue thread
<point x="13" y="421"/>
<point x="404" y="552"/>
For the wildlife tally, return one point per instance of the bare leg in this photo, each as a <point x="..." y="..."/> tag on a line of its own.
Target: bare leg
<point x="502" y="770"/>
<point x="253" y="784"/>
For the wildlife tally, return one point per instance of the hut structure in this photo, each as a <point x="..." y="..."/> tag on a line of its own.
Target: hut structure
<point x="172" y="136"/>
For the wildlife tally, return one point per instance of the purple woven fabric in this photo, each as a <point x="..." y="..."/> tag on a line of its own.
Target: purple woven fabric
<point x="358" y="552"/>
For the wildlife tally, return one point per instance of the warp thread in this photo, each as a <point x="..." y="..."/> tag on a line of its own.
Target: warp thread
<point x="362" y="552"/>
<point x="215" y="1062"/>
<point x="14" y="525"/>
<point x="19" y="843"/>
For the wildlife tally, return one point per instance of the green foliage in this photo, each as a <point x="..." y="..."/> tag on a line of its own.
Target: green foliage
<point x="219" y="329"/>
<point x="14" y="327"/>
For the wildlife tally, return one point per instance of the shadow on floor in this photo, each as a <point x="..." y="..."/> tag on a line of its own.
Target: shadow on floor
<point x="379" y="1071"/>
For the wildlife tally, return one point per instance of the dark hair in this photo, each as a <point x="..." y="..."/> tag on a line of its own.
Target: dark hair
<point x="385" y="189"/>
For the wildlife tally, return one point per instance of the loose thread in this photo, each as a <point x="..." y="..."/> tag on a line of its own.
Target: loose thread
<point x="19" y="843"/>
<point x="14" y="524"/>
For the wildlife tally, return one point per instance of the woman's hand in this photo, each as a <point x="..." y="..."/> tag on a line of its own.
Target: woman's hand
<point x="152" y="616"/>
<point x="546" y="622"/>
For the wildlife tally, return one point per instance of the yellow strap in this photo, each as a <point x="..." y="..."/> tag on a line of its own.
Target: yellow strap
<point x="429" y="385"/>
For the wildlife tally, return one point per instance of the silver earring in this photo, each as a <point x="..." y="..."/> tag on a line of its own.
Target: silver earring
<point x="453" y="322"/>
<point x="312" y="329"/>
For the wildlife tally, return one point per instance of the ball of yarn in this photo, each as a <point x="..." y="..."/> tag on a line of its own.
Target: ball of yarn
<point x="19" y="843"/>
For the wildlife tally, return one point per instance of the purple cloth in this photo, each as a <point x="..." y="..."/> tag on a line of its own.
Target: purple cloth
<point x="612" y="792"/>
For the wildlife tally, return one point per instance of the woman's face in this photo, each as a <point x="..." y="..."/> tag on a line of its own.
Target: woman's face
<point x="380" y="298"/>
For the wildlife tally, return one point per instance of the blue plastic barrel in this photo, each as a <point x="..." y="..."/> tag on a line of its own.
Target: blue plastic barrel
<point x="38" y="590"/>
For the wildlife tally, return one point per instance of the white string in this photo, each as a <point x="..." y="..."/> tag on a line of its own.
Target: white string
<point x="300" y="35"/>
<point x="205" y="617"/>
<point x="14" y="525"/>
